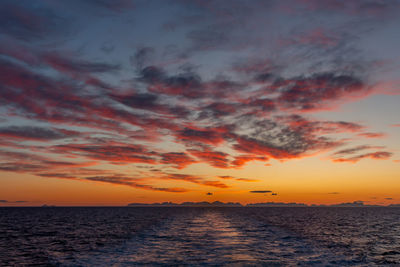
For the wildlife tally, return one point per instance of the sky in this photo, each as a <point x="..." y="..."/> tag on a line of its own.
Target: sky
<point x="111" y="102"/>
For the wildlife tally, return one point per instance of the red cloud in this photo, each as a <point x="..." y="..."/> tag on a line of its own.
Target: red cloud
<point x="214" y="158"/>
<point x="372" y="135"/>
<point x="212" y="136"/>
<point x="179" y="160"/>
<point x="215" y="184"/>
<point x="240" y="161"/>
<point x="132" y="183"/>
<point x="32" y="163"/>
<point x="113" y="152"/>
<point x="195" y="180"/>
<point x="301" y="124"/>
<point x="252" y="146"/>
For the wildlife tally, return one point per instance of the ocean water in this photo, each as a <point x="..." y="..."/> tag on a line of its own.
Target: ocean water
<point x="182" y="236"/>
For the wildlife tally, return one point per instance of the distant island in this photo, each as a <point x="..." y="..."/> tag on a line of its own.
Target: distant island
<point x="188" y="204"/>
<point x="263" y="204"/>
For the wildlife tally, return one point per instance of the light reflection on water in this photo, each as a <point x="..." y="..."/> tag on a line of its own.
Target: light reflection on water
<point x="200" y="236"/>
<point x="212" y="237"/>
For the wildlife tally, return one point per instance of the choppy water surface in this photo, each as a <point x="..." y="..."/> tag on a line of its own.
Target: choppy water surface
<point x="200" y="236"/>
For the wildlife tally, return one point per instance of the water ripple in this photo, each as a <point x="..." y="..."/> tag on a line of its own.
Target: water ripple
<point x="200" y="236"/>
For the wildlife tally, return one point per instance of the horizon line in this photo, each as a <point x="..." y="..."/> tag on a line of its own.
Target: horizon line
<point x="213" y="204"/>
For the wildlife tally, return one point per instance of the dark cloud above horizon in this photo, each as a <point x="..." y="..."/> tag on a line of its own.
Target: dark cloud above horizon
<point x="260" y="191"/>
<point x="8" y="201"/>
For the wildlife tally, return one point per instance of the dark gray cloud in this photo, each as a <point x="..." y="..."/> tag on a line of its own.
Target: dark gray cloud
<point x="316" y="91"/>
<point x="207" y="135"/>
<point x="141" y="101"/>
<point x="36" y="133"/>
<point x="17" y="201"/>
<point x="141" y="58"/>
<point x="187" y="84"/>
<point x="260" y="191"/>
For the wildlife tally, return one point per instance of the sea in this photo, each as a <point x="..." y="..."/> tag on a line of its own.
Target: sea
<point x="195" y="236"/>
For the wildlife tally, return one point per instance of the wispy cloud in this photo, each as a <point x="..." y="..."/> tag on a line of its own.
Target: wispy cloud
<point x="17" y="201"/>
<point x="374" y="155"/>
<point x="260" y="191"/>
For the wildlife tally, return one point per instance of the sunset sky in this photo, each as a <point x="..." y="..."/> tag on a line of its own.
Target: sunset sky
<point x="112" y="102"/>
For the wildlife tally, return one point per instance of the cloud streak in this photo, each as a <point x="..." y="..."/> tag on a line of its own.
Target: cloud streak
<point x="260" y="191"/>
<point x="381" y="155"/>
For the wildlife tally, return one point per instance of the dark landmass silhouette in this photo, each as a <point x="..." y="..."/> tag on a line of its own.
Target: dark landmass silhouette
<point x="188" y="204"/>
<point x="263" y="204"/>
<point x="276" y="204"/>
